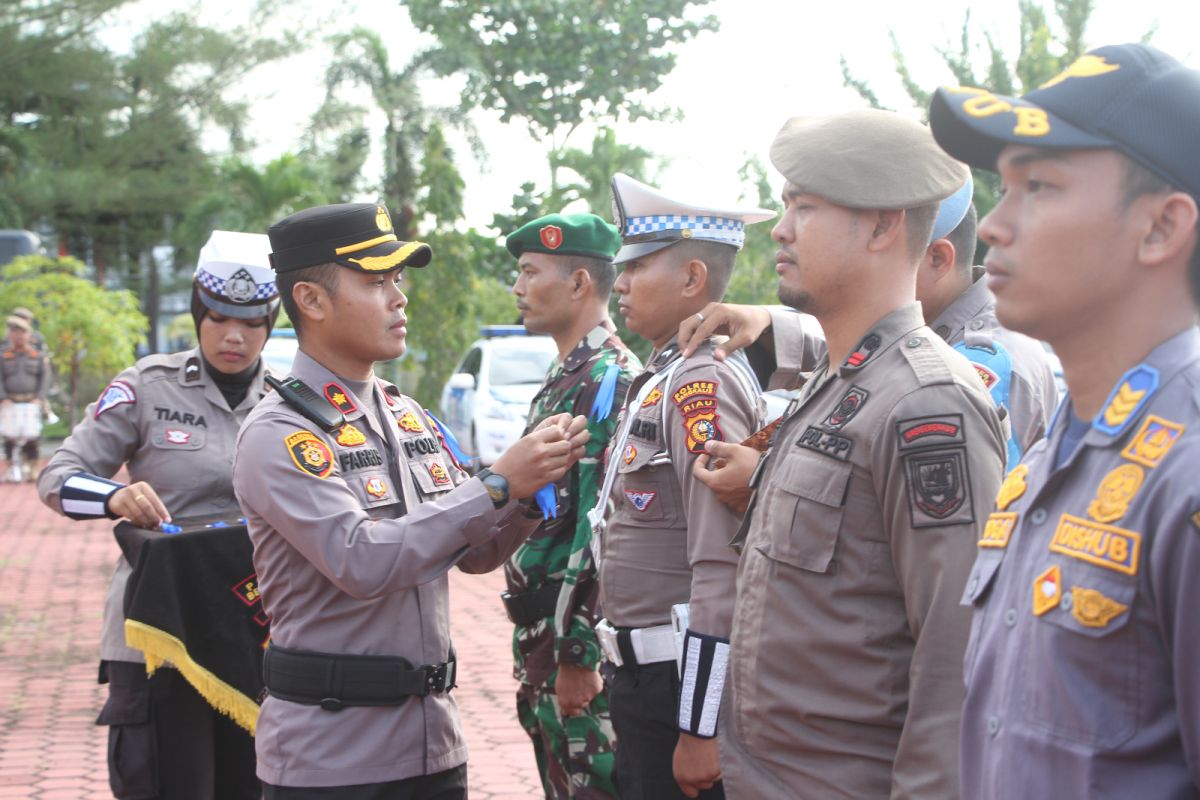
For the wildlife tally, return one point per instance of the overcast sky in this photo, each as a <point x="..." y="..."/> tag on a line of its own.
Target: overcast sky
<point x="771" y="59"/>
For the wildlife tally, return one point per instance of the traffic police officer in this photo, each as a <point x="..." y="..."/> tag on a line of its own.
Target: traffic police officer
<point x="357" y="511"/>
<point x="1081" y="669"/>
<point x="666" y="543"/>
<point x="847" y="637"/>
<point x="172" y="420"/>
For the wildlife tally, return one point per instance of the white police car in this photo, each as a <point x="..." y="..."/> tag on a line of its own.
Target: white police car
<point x="486" y="400"/>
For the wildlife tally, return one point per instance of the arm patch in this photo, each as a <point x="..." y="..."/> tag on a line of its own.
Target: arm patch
<point x="939" y="487"/>
<point x="697" y="404"/>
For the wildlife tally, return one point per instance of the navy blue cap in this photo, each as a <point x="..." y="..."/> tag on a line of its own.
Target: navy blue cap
<point x="1129" y="97"/>
<point x="354" y="235"/>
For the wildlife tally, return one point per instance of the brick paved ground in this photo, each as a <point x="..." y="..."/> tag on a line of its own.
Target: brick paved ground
<point x="53" y="574"/>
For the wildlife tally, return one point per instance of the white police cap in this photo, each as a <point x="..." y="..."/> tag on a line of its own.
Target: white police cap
<point x="234" y="275"/>
<point x="648" y="220"/>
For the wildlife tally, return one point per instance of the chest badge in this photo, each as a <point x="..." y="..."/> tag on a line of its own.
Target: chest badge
<point x="630" y="454"/>
<point x="1092" y="609"/>
<point x="652" y="398"/>
<point x="640" y="500"/>
<point x="310" y="454"/>
<point x="375" y="487"/>
<point x="1013" y="486"/>
<point x="846" y="408"/>
<point x="408" y="422"/>
<point x="177" y="436"/>
<point x="439" y="474"/>
<point x="350" y="436"/>
<point x="1153" y="441"/>
<point x="998" y="529"/>
<point x="1047" y="590"/>
<point x="1115" y="493"/>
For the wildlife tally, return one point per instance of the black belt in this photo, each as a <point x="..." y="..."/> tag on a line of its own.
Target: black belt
<point x="335" y="681"/>
<point x="526" y="608"/>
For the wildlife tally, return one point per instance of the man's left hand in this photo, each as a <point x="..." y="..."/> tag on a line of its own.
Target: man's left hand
<point x="696" y="764"/>
<point x="575" y="687"/>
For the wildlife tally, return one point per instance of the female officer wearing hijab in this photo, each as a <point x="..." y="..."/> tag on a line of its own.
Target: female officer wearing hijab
<point x="172" y="421"/>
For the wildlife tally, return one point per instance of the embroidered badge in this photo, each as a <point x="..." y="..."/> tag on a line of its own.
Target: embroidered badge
<point x="1013" y="486"/>
<point x="387" y="390"/>
<point x="1134" y="390"/>
<point x="1153" y="441"/>
<point x="1103" y="545"/>
<point x="241" y="288"/>
<point x="998" y="529"/>
<point x="925" y="431"/>
<point x="988" y="377"/>
<point x="310" y="454"/>
<point x="652" y="398"/>
<point x="1115" y="492"/>
<point x="115" y="394"/>
<point x="640" y="500"/>
<point x="247" y="589"/>
<point x="700" y="429"/>
<point x="1092" y="609"/>
<point x="191" y="370"/>
<point x="630" y="454"/>
<point x="439" y="474"/>
<point x="551" y="236"/>
<point x="938" y="488"/>
<point x="697" y="403"/>
<point x="359" y="459"/>
<point x="846" y="408"/>
<point x="694" y="389"/>
<point x="375" y="487"/>
<point x="866" y="348"/>
<point x="350" y="436"/>
<point x="644" y="429"/>
<point x="176" y="436"/>
<point x="341" y="401"/>
<point x="826" y="443"/>
<point x="383" y="220"/>
<point x="1047" y="590"/>
<point x="408" y="422"/>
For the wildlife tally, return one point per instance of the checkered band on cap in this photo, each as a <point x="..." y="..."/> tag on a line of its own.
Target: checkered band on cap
<point x="716" y="229"/>
<point x="264" y="291"/>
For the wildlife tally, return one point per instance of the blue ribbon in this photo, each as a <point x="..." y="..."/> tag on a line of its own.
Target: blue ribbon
<point x="451" y="442"/>
<point x="602" y="406"/>
<point x="547" y="500"/>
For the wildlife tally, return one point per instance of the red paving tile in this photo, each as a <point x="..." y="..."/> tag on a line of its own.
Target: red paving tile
<point x="54" y="574"/>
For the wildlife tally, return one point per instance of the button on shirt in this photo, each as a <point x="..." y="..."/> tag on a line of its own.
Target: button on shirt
<point x="1092" y="691"/>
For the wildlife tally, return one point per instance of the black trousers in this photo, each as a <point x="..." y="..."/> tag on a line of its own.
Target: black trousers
<point x="165" y="742"/>
<point x="448" y="785"/>
<point x="642" y="701"/>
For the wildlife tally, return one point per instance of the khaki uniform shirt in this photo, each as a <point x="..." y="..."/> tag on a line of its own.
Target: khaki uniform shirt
<point x="667" y="539"/>
<point x="1032" y="394"/>
<point x="354" y="532"/>
<point x="168" y="423"/>
<point x="24" y="373"/>
<point x="845" y="678"/>
<point x="1083" y="661"/>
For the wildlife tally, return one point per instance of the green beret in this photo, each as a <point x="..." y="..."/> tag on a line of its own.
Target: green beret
<point x="566" y="235"/>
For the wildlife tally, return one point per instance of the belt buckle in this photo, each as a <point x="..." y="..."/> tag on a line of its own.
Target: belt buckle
<point x="439" y="677"/>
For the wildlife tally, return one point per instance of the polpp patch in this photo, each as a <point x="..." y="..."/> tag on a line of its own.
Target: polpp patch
<point x="1153" y="441"/>
<point x="375" y="487"/>
<point x="1013" y="486"/>
<point x="309" y="453"/>
<point x="1047" y="590"/>
<point x="640" y="500"/>
<point x="177" y="436"/>
<point x="652" y="398"/>
<point x="846" y="408"/>
<point x="1115" y="492"/>
<point x="1092" y="609"/>
<point x="830" y="444"/>
<point x="939" y="490"/>
<point x="350" y="436"/>
<point x="1103" y="545"/>
<point x="115" y="394"/>
<point x="439" y="474"/>
<point x="337" y="397"/>
<point x="551" y="236"/>
<point x="933" y="431"/>
<point x="408" y="422"/>
<point x="998" y="529"/>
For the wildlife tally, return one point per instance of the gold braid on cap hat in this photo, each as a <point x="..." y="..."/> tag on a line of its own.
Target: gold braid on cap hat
<point x="380" y="263"/>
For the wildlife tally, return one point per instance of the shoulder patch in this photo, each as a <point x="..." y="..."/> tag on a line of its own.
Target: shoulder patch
<point x="1153" y="441"/>
<point x="697" y="403"/>
<point x="937" y="430"/>
<point x="939" y="487"/>
<point x="309" y="453"/>
<point x="115" y="394"/>
<point x="338" y="398"/>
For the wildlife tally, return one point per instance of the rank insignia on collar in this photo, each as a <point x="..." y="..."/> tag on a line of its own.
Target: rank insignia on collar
<point x="1103" y="545"/>
<point x="652" y="398"/>
<point x="1133" y="391"/>
<point x="846" y="408"/>
<point x="439" y="474"/>
<point x="408" y="422"/>
<point x="375" y="487"/>
<point x="387" y="393"/>
<point x="310" y="454"/>
<point x="1047" y="590"/>
<point x="866" y="348"/>
<point x="350" y="436"/>
<point x="1153" y="441"/>
<point x="998" y="529"/>
<point x="191" y="370"/>
<point x="115" y="394"/>
<point x="640" y="500"/>
<point x="1013" y="486"/>
<point x="1092" y="609"/>
<point x="630" y="454"/>
<point x="1115" y="493"/>
<point x="337" y="396"/>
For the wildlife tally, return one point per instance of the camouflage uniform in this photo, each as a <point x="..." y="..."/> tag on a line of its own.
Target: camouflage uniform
<point x="574" y="754"/>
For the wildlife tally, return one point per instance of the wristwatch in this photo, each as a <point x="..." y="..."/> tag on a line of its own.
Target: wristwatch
<point x="496" y="485"/>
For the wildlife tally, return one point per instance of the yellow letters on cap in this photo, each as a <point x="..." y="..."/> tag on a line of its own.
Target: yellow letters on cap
<point x="986" y="105"/>
<point x="1115" y="493"/>
<point x="1103" y="545"/>
<point x="1013" y="486"/>
<point x="1086" y="66"/>
<point x="1153" y="441"/>
<point x="1031" y="121"/>
<point x="1047" y="590"/>
<point x="1089" y="607"/>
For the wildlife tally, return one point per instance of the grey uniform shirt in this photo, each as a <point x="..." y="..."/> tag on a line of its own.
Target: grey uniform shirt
<point x="354" y="532"/>
<point x="667" y="539"/>
<point x="1083" y="661"/>
<point x="1032" y="395"/>
<point x="24" y="372"/>
<point x="845" y="677"/>
<point x="169" y="424"/>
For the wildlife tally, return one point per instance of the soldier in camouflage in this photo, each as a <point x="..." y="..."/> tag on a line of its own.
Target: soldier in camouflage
<point x="566" y="275"/>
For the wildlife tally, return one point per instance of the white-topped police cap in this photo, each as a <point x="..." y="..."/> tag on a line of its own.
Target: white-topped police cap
<point x="648" y="220"/>
<point x="234" y="275"/>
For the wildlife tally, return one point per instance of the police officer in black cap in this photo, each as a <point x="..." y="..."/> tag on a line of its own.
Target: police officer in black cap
<point x="357" y="508"/>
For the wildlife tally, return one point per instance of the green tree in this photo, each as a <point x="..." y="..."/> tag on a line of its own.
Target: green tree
<point x="754" y="279"/>
<point x="91" y="332"/>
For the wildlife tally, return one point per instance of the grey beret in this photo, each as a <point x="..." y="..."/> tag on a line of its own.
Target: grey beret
<point x="866" y="159"/>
